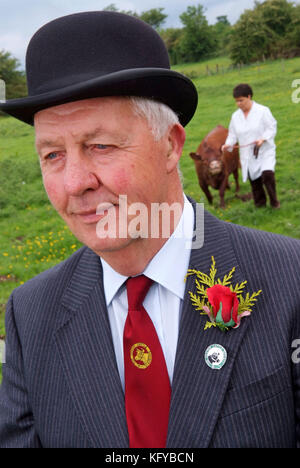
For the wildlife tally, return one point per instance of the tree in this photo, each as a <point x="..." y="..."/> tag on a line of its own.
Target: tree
<point x="293" y="30"/>
<point x="223" y="20"/>
<point x="221" y="30"/>
<point x="264" y="31"/>
<point x="155" y="17"/>
<point x="110" y="7"/>
<point x="198" y="40"/>
<point x="250" y="39"/>
<point x="276" y="15"/>
<point x="172" y="38"/>
<point x="14" y="78"/>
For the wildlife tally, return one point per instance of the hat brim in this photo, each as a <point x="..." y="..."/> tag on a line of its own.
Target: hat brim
<point x="167" y="86"/>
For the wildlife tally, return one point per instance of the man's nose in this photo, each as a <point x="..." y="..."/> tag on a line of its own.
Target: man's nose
<point x="79" y="176"/>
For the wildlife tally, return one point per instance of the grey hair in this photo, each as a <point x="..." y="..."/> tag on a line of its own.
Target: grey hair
<point x="159" y="116"/>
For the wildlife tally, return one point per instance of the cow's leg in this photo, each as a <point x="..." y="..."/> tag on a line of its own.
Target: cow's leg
<point x="207" y="192"/>
<point x="222" y="191"/>
<point x="236" y="178"/>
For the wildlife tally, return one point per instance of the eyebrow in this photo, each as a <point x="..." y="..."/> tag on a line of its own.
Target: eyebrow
<point x="95" y="133"/>
<point x="46" y="142"/>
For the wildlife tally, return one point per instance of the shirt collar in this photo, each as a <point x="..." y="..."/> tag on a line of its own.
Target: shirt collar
<point x="174" y="256"/>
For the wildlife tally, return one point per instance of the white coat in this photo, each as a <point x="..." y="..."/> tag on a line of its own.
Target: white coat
<point x="258" y="125"/>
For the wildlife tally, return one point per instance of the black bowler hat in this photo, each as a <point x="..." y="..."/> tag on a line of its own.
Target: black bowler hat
<point x="96" y="54"/>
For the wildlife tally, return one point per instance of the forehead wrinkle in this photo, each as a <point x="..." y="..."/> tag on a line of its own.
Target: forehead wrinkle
<point x="48" y="141"/>
<point x="80" y="137"/>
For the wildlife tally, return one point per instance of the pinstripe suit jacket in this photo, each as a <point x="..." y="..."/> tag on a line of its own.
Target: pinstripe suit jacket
<point x="61" y="386"/>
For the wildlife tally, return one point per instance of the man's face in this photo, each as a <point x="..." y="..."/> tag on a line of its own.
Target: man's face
<point x="91" y="152"/>
<point x="244" y="103"/>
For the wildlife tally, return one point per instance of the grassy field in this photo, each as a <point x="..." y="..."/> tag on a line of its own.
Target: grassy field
<point x="32" y="236"/>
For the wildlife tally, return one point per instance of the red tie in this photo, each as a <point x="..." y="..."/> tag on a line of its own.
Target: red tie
<point x="147" y="384"/>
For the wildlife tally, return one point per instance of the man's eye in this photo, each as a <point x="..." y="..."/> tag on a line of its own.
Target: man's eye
<point x="100" y="146"/>
<point x="51" y="156"/>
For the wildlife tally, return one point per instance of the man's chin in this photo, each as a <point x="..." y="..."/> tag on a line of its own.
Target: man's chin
<point x="105" y="245"/>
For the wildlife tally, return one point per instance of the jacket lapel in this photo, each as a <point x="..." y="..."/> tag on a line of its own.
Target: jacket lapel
<point x="86" y="351"/>
<point x="198" y="391"/>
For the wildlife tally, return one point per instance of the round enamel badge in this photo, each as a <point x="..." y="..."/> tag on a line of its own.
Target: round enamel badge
<point x="215" y="356"/>
<point x="141" y="355"/>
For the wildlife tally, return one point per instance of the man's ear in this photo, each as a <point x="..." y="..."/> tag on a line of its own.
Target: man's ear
<point x="176" y="141"/>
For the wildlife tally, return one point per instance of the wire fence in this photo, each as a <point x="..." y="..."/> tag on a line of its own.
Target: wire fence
<point x="221" y="69"/>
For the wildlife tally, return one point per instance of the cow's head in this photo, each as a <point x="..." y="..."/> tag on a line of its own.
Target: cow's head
<point x="211" y="158"/>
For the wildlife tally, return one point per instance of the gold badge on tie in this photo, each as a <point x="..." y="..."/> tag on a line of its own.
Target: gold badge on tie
<point x="141" y="355"/>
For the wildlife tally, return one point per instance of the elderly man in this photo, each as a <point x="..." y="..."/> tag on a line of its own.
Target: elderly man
<point x="107" y="349"/>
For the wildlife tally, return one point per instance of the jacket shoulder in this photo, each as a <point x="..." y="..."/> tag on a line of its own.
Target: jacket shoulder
<point x="42" y="294"/>
<point x="268" y="253"/>
<point x="56" y="276"/>
<point x="265" y="237"/>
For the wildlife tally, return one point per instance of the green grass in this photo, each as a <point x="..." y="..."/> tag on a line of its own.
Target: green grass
<point x="33" y="237"/>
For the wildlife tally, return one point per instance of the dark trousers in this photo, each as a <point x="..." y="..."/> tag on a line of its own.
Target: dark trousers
<point x="267" y="180"/>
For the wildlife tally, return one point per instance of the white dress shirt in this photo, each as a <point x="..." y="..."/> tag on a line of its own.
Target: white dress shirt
<point x="258" y="125"/>
<point x="164" y="300"/>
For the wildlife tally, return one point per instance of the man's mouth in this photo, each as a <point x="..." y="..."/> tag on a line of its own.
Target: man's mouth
<point x="103" y="207"/>
<point x="94" y="215"/>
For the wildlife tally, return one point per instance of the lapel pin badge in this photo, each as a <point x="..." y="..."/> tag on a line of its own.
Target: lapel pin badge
<point x="215" y="356"/>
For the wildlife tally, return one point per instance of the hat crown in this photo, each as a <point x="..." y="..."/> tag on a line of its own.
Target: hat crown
<point x="96" y="54"/>
<point x="84" y="46"/>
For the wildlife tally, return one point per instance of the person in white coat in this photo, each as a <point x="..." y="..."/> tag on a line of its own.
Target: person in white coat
<point x="254" y="128"/>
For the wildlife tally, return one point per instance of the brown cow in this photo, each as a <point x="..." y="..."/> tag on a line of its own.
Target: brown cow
<point x="214" y="167"/>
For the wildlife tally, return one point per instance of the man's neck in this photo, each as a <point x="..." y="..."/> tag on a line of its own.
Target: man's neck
<point x="133" y="258"/>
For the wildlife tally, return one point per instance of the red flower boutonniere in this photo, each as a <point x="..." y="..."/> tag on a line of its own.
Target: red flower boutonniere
<point x="223" y="303"/>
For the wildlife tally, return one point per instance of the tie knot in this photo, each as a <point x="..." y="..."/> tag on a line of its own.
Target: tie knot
<point x="137" y="288"/>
